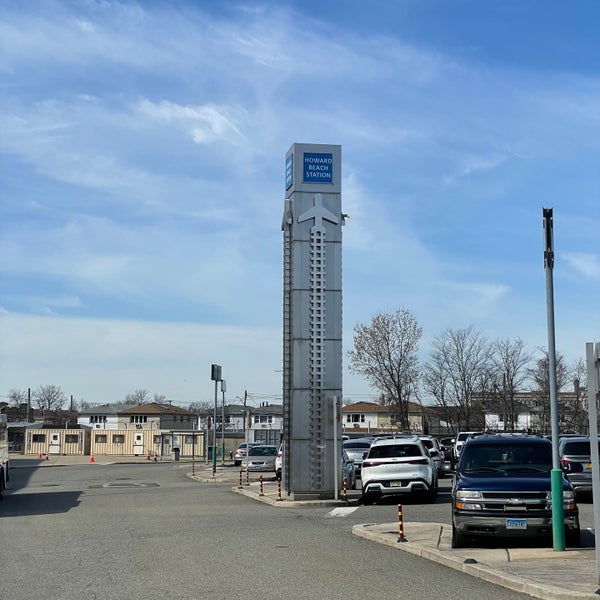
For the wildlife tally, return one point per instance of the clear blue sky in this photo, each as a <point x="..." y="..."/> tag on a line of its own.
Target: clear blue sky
<point x="142" y="167"/>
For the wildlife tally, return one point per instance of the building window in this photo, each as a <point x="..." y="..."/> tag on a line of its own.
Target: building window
<point x="157" y="439"/>
<point x="263" y="419"/>
<point x="71" y="438"/>
<point x="138" y="419"/>
<point x="39" y="438"/>
<point x="101" y="438"/>
<point x="355" y="418"/>
<point x="189" y="439"/>
<point x="118" y="438"/>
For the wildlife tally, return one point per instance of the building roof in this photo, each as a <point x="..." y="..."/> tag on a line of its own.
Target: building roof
<point x="104" y="409"/>
<point x="153" y="408"/>
<point x="374" y="407"/>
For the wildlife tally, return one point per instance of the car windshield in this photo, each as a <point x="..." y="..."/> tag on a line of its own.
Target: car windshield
<point x="507" y="457"/>
<point x="263" y="451"/>
<point x="395" y="451"/>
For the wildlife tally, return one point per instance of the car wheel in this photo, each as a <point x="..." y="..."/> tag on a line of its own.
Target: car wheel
<point x="367" y="499"/>
<point x="237" y="463"/>
<point x="458" y="539"/>
<point x="573" y="538"/>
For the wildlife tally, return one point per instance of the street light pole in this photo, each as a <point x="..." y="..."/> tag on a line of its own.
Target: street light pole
<point x="223" y="423"/>
<point x="215" y="375"/>
<point x="556" y="474"/>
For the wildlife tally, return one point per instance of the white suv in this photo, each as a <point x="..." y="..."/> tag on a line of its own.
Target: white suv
<point x="398" y="466"/>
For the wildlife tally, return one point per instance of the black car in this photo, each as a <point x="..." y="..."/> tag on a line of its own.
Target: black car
<point x="502" y="488"/>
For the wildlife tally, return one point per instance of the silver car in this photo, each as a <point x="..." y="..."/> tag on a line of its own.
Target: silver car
<point x="261" y="458"/>
<point x="357" y="450"/>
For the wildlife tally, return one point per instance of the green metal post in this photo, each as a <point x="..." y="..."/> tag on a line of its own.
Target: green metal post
<point x="558" y="510"/>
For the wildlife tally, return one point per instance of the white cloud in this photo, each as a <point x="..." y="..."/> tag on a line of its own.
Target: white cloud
<point x="587" y="265"/>
<point x="205" y="124"/>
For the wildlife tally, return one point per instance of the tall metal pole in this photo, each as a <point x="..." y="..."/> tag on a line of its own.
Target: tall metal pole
<point x="215" y="375"/>
<point x="558" y="510"/>
<point x="223" y="385"/>
<point x="593" y="373"/>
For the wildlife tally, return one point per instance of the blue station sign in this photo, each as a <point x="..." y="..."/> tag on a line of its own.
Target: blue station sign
<point x="318" y="167"/>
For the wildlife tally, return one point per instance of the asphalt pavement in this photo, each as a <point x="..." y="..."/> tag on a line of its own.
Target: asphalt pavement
<point x="540" y="572"/>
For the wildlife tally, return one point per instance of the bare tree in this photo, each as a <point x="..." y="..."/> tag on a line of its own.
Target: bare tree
<point x="578" y="417"/>
<point x="160" y="399"/>
<point x="385" y="353"/>
<point x="50" y="398"/>
<point x="201" y="407"/>
<point x="138" y="397"/>
<point x="509" y="374"/>
<point x="17" y="397"/>
<point x="458" y="372"/>
<point x="435" y="379"/>
<point x="540" y="377"/>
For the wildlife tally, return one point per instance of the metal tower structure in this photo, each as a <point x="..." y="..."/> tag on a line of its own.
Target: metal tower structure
<point x="312" y="317"/>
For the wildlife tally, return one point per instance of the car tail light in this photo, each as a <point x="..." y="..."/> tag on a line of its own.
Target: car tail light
<point x="371" y="463"/>
<point x="564" y="462"/>
<point x="418" y="461"/>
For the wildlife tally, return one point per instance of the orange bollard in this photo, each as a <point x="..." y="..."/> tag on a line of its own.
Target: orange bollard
<point x="155" y="458"/>
<point x="40" y="455"/>
<point x="401" y="537"/>
<point x="345" y="490"/>
<point x="148" y="457"/>
<point x="241" y="477"/>
<point x="47" y="457"/>
<point x="247" y="475"/>
<point x="261" y="486"/>
<point x="279" y="489"/>
<point x="91" y="458"/>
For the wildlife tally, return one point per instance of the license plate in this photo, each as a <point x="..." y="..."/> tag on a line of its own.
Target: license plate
<point x="516" y="523"/>
<point x="395" y="484"/>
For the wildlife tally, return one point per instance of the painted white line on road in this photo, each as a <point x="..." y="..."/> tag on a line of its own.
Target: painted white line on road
<point x="341" y="512"/>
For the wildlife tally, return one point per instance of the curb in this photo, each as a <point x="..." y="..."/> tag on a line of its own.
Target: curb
<point x="475" y="569"/>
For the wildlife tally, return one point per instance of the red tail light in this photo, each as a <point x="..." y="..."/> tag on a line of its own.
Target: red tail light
<point x="418" y="461"/>
<point x="371" y="463"/>
<point x="564" y="462"/>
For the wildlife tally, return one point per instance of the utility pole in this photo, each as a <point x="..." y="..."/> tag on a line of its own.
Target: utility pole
<point x="558" y="510"/>
<point x="216" y="376"/>
<point x="223" y="385"/>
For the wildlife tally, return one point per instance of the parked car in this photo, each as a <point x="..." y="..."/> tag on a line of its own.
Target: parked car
<point x="240" y="453"/>
<point x="348" y="470"/>
<point x="357" y="449"/>
<point x="398" y="466"/>
<point x="279" y="462"/>
<point x="576" y="460"/>
<point x="461" y="438"/>
<point x="447" y="446"/>
<point x="261" y="458"/>
<point x="435" y="451"/>
<point x="502" y="488"/>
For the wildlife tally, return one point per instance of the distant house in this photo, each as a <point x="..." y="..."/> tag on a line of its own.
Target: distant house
<point x="157" y="416"/>
<point x="104" y="416"/>
<point x="372" y="417"/>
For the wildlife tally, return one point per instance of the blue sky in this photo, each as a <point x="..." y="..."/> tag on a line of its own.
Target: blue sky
<point x="142" y="167"/>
